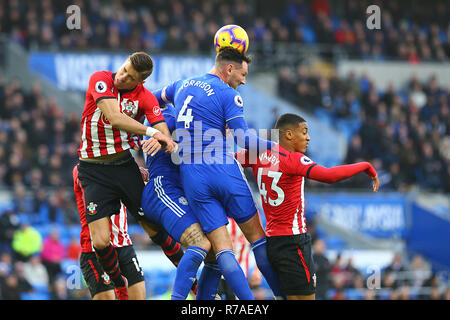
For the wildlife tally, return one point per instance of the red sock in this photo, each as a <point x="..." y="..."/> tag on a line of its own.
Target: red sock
<point x="109" y="261"/>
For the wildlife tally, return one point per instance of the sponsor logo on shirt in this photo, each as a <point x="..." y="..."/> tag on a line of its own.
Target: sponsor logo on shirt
<point x="156" y="110"/>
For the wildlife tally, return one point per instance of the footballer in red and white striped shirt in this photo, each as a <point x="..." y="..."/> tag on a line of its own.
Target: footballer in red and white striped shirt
<point x="107" y="171"/>
<point x="280" y="174"/>
<point x="98" y="136"/>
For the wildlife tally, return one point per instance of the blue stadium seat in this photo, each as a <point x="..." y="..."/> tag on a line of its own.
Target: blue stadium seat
<point x="335" y="243"/>
<point x="159" y="281"/>
<point x="354" y="294"/>
<point x="135" y="228"/>
<point x="74" y="231"/>
<point x="308" y="34"/>
<point x="43" y="229"/>
<point x="41" y="289"/>
<point x="5" y="207"/>
<point x="34" y="296"/>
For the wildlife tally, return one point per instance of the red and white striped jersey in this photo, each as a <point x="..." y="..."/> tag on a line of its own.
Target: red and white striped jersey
<point x="280" y="176"/>
<point x="98" y="136"/>
<point x="118" y="224"/>
<point x="241" y="246"/>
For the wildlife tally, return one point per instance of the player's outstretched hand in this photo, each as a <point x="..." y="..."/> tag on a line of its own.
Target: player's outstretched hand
<point x="375" y="183"/>
<point x="168" y="144"/>
<point x="151" y="146"/>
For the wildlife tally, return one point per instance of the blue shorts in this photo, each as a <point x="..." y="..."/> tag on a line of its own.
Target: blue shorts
<point x="217" y="191"/>
<point x="164" y="202"/>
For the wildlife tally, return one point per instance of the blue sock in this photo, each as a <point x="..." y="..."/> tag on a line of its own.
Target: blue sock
<point x="233" y="274"/>
<point x="208" y="281"/>
<point x="259" y="249"/>
<point x="187" y="272"/>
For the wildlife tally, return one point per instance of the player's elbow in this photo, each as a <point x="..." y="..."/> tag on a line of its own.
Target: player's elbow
<point x="114" y="119"/>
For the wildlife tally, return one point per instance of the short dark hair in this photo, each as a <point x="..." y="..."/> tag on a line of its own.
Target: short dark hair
<point x="288" y="120"/>
<point x="230" y="54"/>
<point x="142" y="63"/>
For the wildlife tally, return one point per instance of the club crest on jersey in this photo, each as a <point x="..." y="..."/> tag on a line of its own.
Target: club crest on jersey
<point x="305" y="160"/>
<point x="100" y="86"/>
<point x="106" y="279"/>
<point x="92" y="208"/>
<point x="183" y="201"/>
<point x="129" y="107"/>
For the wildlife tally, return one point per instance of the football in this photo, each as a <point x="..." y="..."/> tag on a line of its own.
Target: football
<point x="231" y="35"/>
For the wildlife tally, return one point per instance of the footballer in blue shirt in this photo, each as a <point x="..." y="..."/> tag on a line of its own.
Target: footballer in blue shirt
<point x="164" y="202"/>
<point x="214" y="183"/>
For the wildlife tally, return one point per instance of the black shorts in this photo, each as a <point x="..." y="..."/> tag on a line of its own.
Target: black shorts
<point x="105" y="185"/>
<point x="98" y="281"/>
<point x="291" y="258"/>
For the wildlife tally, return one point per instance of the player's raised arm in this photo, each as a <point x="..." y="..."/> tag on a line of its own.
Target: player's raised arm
<point x="335" y="174"/>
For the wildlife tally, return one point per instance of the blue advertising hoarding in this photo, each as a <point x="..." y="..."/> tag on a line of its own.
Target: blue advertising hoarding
<point x="71" y="71"/>
<point x="377" y="215"/>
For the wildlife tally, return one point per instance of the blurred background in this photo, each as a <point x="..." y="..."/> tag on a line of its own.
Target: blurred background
<point x="378" y="95"/>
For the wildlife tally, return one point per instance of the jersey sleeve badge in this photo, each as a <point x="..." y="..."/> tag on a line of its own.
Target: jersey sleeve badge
<point x="100" y="86"/>
<point x="306" y="161"/>
<point x="156" y="110"/>
<point x="238" y="101"/>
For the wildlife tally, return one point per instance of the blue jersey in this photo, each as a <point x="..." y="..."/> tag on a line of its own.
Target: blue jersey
<point x="161" y="163"/>
<point x="203" y="106"/>
<point x="215" y="187"/>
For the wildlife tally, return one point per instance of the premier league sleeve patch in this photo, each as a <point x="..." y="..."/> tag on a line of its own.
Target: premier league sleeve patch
<point x="100" y="86"/>
<point x="306" y="161"/>
<point x="238" y="100"/>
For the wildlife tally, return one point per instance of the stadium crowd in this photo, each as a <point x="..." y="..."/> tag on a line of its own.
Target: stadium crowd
<point x="415" y="31"/>
<point x="403" y="131"/>
<point x="406" y="277"/>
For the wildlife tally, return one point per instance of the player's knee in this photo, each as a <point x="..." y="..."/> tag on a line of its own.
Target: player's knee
<point x="150" y="228"/>
<point x="252" y="229"/>
<point x="100" y="235"/>
<point x="194" y="236"/>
